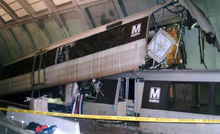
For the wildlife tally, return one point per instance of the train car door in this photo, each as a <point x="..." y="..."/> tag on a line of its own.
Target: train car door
<point x="138" y="94"/>
<point x="38" y="68"/>
<point x="128" y="98"/>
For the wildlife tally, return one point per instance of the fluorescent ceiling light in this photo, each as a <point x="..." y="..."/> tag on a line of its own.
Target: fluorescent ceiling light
<point x="7" y="17"/>
<point x="15" y="6"/>
<point x="2" y="11"/>
<point x="82" y="2"/>
<point x="9" y="1"/>
<point x="21" y="13"/>
<point x="32" y="1"/>
<point x="60" y="2"/>
<point x="40" y="6"/>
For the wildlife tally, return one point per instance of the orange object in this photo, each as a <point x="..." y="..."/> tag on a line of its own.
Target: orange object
<point x="38" y="129"/>
<point x="171" y="55"/>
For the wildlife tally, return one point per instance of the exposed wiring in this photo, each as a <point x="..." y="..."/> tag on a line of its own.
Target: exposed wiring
<point x="178" y="12"/>
<point x="202" y="55"/>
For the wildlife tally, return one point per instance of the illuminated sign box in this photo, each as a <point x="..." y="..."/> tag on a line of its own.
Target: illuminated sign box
<point x="160" y="45"/>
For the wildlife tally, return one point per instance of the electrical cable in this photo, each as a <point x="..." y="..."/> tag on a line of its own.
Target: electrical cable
<point x="178" y="13"/>
<point x="202" y="55"/>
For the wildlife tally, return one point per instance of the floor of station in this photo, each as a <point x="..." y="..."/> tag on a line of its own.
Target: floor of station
<point x="76" y="126"/>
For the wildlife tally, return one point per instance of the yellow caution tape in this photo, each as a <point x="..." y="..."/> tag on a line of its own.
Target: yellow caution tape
<point x="118" y="118"/>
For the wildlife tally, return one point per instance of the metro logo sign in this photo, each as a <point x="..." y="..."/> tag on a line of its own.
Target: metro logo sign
<point x="155" y="95"/>
<point x="136" y="30"/>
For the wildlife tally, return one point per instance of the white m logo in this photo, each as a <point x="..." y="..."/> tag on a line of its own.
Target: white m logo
<point x="136" y="29"/>
<point x="154" y="94"/>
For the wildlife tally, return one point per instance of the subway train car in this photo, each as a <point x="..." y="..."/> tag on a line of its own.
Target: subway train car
<point x="110" y="49"/>
<point x="182" y="94"/>
<point x="117" y="47"/>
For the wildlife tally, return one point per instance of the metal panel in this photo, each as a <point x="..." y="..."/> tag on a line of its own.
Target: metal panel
<point x="20" y="38"/>
<point x="129" y="7"/>
<point x="100" y="14"/>
<point x="11" y="44"/>
<point x="74" y="23"/>
<point x="174" y="128"/>
<point x="172" y="75"/>
<point x="51" y="29"/>
<point x="117" y="96"/>
<point x="36" y="35"/>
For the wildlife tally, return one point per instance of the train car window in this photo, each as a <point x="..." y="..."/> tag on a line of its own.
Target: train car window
<point x="43" y="61"/>
<point x="131" y="89"/>
<point x="189" y="97"/>
<point x="11" y="69"/>
<point x="217" y="100"/>
<point x="62" y="55"/>
<point x="18" y="68"/>
<point x="70" y="49"/>
<point x="86" y="46"/>
<point x="7" y="72"/>
<point x="51" y="57"/>
<point x="28" y="63"/>
<point x="121" y="96"/>
<point x="112" y="38"/>
<point x="109" y="90"/>
<point x="2" y="73"/>
<point x="87" y="89"/>
<point x="37" y="63"/>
